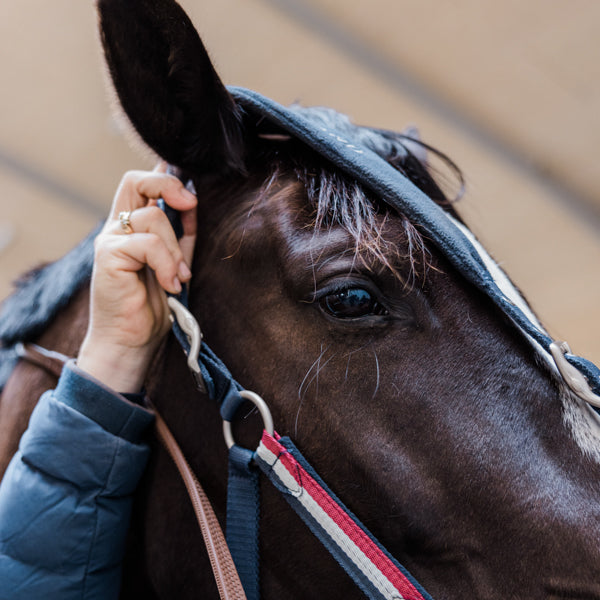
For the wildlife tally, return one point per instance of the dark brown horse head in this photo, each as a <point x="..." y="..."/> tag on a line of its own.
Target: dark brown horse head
<point x="415" y="398"/>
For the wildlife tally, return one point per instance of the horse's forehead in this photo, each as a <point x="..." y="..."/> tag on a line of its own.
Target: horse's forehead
<point x="282" y="223"/>
<point x="285" y="224"/>
<point x="319" y="251"/>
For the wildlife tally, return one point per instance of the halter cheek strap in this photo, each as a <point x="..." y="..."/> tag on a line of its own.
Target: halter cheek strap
<point x="210" y="373"/>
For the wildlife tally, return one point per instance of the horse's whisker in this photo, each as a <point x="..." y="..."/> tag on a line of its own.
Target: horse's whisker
<point x="377" y="369"/>
<point x="303" y="388"/>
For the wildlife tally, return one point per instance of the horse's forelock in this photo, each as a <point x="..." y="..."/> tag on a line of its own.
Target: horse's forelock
<point x="333" y="199"/>
<point x="336" y="199"/>
<point x="323" y="197"/>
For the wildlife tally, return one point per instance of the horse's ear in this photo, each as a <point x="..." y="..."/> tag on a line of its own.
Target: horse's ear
<point x="168" y="87"/>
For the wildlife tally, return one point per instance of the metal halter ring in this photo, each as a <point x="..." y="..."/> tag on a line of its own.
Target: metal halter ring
<point x="125" y="220"/>
<point x="264" y="411"/>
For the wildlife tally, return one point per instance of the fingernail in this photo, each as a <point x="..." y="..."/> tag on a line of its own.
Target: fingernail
<point x="184" y="271"/>
<point x="177" y="285"/>
<point x="188" y="195"/>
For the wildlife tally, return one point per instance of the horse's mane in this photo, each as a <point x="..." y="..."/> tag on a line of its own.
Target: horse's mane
<point x="334" y="198"/>
<point x="40" y="294"/>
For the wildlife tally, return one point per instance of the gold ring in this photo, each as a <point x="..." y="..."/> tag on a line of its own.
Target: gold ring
<point x="125" y="220"/>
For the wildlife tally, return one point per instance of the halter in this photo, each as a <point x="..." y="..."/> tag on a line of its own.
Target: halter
<point x="367" y="562"/>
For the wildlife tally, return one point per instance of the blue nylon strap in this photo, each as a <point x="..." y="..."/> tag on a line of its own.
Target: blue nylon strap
<point x="243" y="513"/>
<point x="399" y="192"/>
<point x="243" y="496"/>
<point x="220" y="384"/>
<point x="173" y="216"/>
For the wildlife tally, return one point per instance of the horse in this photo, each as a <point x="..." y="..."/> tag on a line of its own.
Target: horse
<point x="419" y="402"/>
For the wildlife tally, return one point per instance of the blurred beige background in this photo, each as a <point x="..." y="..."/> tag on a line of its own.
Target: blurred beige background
<point x="509" y="89"/>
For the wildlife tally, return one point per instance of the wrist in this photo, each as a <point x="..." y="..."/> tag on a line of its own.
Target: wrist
<point x="121" y="368"/>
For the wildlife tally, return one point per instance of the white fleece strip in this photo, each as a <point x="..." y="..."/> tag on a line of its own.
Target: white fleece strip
<point x="498" y="275"/>
<point x="508" y="289"/>
<point x="354" y="553"/>
<point x="579" y="416"/>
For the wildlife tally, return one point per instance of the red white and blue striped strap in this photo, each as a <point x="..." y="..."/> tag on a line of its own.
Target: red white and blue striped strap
<point x="367" y="562"/>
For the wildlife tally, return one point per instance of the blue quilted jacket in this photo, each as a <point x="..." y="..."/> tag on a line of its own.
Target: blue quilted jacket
<point x="66" y="497"/>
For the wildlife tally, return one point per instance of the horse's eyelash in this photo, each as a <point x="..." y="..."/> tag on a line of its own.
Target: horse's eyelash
<point x="337" y="288"/>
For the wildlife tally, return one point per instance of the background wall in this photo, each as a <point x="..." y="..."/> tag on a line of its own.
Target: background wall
<point x="510" y="90"/>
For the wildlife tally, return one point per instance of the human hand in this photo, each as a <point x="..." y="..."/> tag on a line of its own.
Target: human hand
<point x="128" y="310"/>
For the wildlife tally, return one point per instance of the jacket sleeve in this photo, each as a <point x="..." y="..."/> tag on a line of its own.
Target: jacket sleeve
<point x="65" y="500"/>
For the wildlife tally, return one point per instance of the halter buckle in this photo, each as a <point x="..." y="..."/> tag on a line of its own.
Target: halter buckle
<point x="575" y="381"/>
<point x="186" y="320"/>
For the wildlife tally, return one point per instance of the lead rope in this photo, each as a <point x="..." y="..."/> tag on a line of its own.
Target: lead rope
<point x="221" y="562"/>
<point x="226" y="575"/>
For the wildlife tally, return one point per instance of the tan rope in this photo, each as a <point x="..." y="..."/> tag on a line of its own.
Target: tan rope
<point x="226" y="575"/>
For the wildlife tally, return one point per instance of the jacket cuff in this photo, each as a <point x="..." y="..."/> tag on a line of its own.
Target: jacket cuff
<point x="112" y="411"/>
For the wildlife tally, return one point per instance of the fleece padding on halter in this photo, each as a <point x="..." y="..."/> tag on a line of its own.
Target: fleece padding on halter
<point x="375" y="173"/>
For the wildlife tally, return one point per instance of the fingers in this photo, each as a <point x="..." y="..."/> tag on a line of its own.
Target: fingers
<point x="133" y="260"/>
<point x="137" y="188"/>
<point x="131" y="253"/>
<point x="152" y="220"/>
<point x="150" y="238"/>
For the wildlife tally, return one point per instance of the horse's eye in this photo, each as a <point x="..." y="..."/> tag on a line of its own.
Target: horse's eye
<point x="351" y="303"/>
